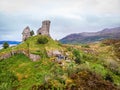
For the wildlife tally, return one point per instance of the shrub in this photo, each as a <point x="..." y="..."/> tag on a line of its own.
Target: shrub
<point x="76" y="53"/>
<point x="69" y="48"/>
<point x="42" y="40"/>
<point x="109" y="78"/>
<point x="110" y="41"/>
<point x="117" y="49"/>
<point x="86" y="46"/>
<point x="5" y="45"/>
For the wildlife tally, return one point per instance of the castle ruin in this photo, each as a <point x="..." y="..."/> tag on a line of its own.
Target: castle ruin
<point x="26" y="33"/>
<point x="44" y="30"/>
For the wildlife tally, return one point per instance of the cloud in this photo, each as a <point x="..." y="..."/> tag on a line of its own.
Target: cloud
<point x="67" y="16"/>
<point x="60" y="7"/>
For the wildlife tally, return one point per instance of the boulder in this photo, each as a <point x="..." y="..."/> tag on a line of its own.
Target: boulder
<point x="55" y="53"/>
<point x="34" y="57"/>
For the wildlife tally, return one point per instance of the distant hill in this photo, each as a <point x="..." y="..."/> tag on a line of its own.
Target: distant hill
<point x="88" y="37"/>
<point x="10" y="42"/>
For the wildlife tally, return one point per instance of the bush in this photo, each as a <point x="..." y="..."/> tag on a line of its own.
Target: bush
<point x="5" y="45"/>
<point x="110" y="41"/>
<point x="76" y="53"/>
<point x="117" y="49"/>
<point x="42" y="40"/>
<point x="86" y="46"/>
<point x="109" y="78"/>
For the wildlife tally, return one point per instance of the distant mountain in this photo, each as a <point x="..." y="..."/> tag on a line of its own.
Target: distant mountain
<point x="88" y="37"/>
<point x="10" y="42"/>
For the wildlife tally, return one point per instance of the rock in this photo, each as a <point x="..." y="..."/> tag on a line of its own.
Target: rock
<point x="68" y="60"/>
<point x="34" y="57"/>
<point x="55" y="53"/>
<point x="49" y="53"/>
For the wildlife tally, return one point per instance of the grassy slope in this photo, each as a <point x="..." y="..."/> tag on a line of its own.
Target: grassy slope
<point x="34" y="47"/>
<point x="99" y="59"/>
<point x="28" y="73"/>
<point x="106" y="62"/>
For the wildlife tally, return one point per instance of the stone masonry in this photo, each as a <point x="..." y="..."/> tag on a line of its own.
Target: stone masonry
<point x="44" y="30"/>
<point x="26" y="33"/>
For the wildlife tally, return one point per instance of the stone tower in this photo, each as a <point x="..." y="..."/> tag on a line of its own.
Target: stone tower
<point x="26" y="33"/>
<point x="44" y="30"/>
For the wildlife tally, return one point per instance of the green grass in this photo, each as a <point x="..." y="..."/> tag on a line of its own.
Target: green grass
<point x="28" y="73"/>
<point x="19" y="72"/>
<point x="31" y="45"/>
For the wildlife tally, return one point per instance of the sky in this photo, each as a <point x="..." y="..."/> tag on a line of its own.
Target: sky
<point x="66" y="16"/>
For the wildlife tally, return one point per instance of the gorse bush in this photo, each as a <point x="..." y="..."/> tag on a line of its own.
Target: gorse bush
<point x="42" y="40"/>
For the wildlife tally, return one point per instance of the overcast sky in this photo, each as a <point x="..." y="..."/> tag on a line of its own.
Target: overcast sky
<point x="66" y="16"/>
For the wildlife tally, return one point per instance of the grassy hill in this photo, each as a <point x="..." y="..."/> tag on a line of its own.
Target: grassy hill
<point x="88" y="67"/>
<point x="32" y="46"/>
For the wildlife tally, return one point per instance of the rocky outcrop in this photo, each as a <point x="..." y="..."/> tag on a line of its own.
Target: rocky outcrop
<point x="44" y="30"/>
<point x="57" y="54"/>
<point x="26" y="33"/>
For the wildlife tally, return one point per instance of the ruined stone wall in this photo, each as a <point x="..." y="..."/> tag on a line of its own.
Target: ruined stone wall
<point x="33" y="57"/>
<point x="13" y="52"/>
<point x="26" y="33"/>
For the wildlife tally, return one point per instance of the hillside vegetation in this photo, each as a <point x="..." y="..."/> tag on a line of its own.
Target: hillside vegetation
<point x="32" y="45"/>
<point x="87" y="67"/>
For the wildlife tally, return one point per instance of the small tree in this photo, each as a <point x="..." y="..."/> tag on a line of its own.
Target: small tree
<point x="32" y="33"/>
<point x="5" y="45"/>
